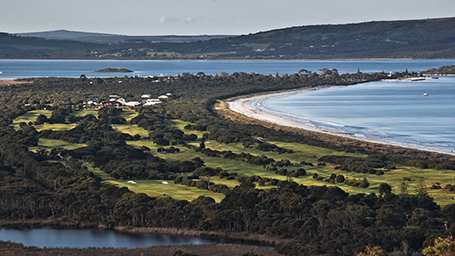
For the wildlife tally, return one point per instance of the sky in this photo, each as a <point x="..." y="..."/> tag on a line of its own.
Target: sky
<point x="212" y="17"/>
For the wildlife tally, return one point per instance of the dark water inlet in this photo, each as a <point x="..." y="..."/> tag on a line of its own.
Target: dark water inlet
<point x="99" y="238"/>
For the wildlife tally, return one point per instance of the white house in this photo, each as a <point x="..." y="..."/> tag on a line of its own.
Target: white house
<point x="132" y="103"/>
<point x="150" y="102"/>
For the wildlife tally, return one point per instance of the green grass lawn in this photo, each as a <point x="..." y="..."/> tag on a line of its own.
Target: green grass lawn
<point x="157" y="188"/>
<point x="179" y="124"/>
<point x="131" y="130"/>
<point x="128" y="114"/>
<point x="50" y="144"/>
<point x="84" y="112"/>
<point x="55" y="127"/>
<point x="31" y="116"/>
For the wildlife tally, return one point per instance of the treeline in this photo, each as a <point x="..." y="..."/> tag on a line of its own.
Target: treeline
<point x="368" y="164"/>
<point x="249" y="158"/>
<point x="444" y="70"/>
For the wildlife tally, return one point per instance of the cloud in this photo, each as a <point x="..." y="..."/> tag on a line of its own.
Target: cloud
<point x="168" y="19"/>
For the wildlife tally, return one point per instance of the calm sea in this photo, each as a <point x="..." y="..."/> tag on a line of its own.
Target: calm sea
<point x="74" y="68"/>
<point x="395" y="112"/>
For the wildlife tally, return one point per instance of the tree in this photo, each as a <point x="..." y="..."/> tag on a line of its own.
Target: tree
<point x="304" y="71"/>
<point x="404" y="188"/>
<point x="202" y="144"/>
<point x="373" y="251"/>
<point x="41" y="119"/>
<point x="365" y="183"/>
<point x="421" y="189"/>
<point x="385" y="188"/>
<point x="442" y="247"/>
<point x="340" y="178"/>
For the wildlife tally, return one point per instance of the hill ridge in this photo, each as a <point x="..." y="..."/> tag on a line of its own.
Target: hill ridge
<point x="421" y="38"/>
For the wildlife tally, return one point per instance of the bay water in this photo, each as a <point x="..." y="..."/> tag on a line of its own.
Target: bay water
<point x="12" y="69"/>
<point x="419" y="114"/>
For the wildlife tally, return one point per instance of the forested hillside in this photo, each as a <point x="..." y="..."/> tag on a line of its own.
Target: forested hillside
<point x="429" y="38"/>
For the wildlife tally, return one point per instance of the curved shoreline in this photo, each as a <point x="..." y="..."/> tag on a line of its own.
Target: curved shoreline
<point x="244" y="106"/>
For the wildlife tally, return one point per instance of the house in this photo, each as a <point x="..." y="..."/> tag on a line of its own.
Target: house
<point x="150" y="102"/>
<point x="132" y="103"/>
<point x="90" y="101"/>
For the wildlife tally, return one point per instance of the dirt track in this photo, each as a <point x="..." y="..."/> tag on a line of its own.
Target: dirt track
<point x="6" y="82"/>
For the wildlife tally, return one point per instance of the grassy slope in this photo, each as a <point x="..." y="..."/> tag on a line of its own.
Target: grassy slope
<point x="50" y="144"/>
<point x="131" y="129"/>
<point x="156" y="188"/>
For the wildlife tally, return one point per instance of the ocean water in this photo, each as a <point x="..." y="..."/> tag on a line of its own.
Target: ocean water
<point x="12" y="69"/>
<point x="391" y="111"/>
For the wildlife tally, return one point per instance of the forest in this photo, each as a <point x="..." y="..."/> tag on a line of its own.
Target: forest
<point x="428" y="38"/>
<point x="178" y="142"/>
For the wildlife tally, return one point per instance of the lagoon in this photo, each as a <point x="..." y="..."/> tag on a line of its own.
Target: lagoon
<point x="99" y="238"/>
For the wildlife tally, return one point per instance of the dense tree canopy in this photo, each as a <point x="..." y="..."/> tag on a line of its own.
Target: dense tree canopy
<point x="57" y="187"/>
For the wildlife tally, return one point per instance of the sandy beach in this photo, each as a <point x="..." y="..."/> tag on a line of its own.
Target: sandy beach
<point x="246" y="106"/>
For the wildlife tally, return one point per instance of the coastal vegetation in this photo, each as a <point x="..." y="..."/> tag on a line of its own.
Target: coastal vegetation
<point x="190" y="164"/>
<point x="428" y="38"/>
<point x="444" y="70"/>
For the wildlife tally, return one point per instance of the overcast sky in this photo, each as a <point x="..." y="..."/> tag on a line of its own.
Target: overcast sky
<point x="196" y="17"/>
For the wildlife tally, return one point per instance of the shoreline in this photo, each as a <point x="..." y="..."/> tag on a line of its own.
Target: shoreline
<point x="244" y="106"/>
<point x="238" y="59"/>
<point x="239" y="242"/>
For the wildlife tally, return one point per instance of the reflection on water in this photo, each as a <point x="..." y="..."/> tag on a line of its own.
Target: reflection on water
<point x="83" y="238"/>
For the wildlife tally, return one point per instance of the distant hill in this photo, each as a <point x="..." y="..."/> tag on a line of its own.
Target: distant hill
<point x="115" y="38"/>
<point x="429" y="38"/>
